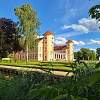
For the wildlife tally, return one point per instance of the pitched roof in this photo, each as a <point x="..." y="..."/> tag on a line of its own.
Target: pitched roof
<point x="59" y="47"/>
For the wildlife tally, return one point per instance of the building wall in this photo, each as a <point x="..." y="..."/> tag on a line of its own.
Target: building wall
<point x="45" y="51"/>
<point x="59" y="56"/>
<point x="70" y="52"/>
<point x="65" y="53"/>
<point x="40" y="50"/>
<point x="48" y="47"/>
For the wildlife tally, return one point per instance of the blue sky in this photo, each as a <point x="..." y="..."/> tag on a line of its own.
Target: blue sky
<point x="68" y="19"/>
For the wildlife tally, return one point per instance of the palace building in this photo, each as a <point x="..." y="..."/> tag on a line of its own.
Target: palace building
<point x="46" y="50"/>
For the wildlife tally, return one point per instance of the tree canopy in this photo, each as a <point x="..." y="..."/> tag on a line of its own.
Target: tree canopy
<point x="98" y="52"/>
<point x="85" y="54"/>
<point x="8" y="37"/>
<point x="94" y="12"/>
<point x="28" y="25"/>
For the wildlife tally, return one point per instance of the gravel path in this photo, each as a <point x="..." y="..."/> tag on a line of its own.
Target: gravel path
<point x="59" y="73"/>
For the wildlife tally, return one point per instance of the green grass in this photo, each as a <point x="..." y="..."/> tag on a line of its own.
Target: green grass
<point x="36" y="64"/>
<point x="84" y="85"/>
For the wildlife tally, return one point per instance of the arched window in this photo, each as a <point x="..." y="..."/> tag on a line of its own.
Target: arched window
<point x="55" y="56"/>
<point x="59" y="56"/>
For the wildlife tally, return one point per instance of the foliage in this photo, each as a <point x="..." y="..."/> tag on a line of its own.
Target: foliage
<point x="93" y="55"/>
<point x="98" y="52"/>
<point x="8" y="37"/>
<point x="83" y="85"/>
<point x="94" y="12"/>
<point x="78" y="55"/>
<point x="28" y="25"/>
<point x="85" y="54"/>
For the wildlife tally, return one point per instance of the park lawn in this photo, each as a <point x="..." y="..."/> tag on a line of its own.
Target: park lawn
<point x="61" y="66"/>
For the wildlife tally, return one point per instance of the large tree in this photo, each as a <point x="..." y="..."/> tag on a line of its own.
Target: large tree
<point x="92" y="55"/>
<point x="8" y="37"/>
<point x="78" y="55"/>
<point x="28" y="25"/>
<point x="94" y="12"/>
<point x="85" y="54"/>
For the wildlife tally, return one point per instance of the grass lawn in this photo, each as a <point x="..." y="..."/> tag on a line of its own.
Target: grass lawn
<point x="36" y="64"/>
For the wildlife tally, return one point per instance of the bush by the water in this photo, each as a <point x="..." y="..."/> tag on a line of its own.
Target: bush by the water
<point x="83" y="85"/>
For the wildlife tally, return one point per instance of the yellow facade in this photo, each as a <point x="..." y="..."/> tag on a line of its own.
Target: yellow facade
<point x="48" y="46"/>
<point x="70" y="51"/>
<point x="40" y="50"/>
<point x="47" y="51"/>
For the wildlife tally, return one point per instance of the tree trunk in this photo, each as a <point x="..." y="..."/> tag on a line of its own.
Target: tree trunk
<point x="14" y="57"/>
<point x="27" y="54"/>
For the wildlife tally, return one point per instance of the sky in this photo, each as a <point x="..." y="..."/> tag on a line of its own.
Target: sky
<point x="67" y="19"/>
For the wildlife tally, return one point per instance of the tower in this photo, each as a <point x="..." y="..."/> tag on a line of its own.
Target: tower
<point x="40" y="49"/>
<point x="70" y="51"/>
<point x="48" y="46"/>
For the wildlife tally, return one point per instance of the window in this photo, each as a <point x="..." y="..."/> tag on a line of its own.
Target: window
<point x="55" y="56"/>
<point x="23" y="56"/>
<point x="45" y="37"/>
<point x="64" y="56"/>
<point x="59" y="56"/>
<point x="33" y="56"/>
<point x="45" y="57"/>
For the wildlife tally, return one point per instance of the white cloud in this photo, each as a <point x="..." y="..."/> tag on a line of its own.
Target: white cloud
<point x="98" y="10"/>
<point x="60" y="41"/>
<point x="40" y="36"/>
<point x="91" y="24"/>
<point x="85" y="25"/>
<point x="92" y="41"/>
<point x="69" y="34"/>
<point x="76" y="49"/>
<point x="79" y="28"/>
<point x="93" y="49"/>
<point x="78" y="42"/>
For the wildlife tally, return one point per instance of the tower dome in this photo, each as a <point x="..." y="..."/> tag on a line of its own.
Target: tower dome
<point x="48" y="33"/>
